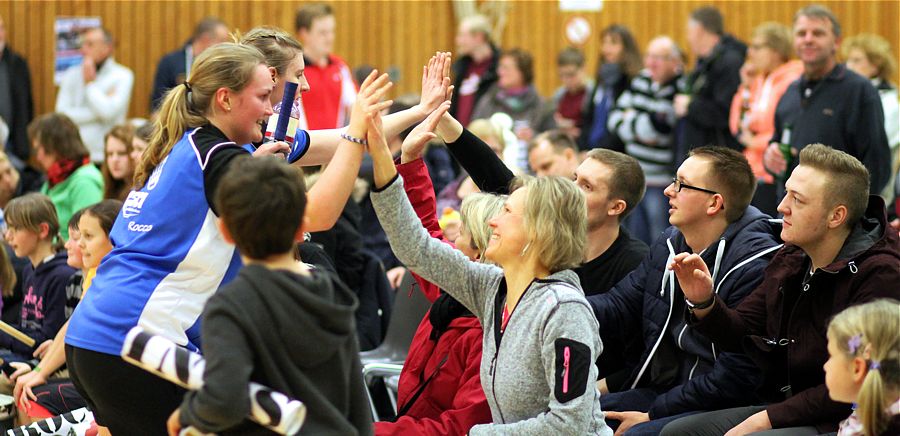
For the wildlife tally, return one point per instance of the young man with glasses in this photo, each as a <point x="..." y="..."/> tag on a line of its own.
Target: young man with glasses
<point x="681" y="372"/>
<point x="839" y="251"/>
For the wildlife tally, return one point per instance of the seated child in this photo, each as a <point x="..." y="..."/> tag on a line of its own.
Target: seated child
<point x="864" y="367"/>
<point x="34" y="234"/>
<point x="278" y="323"/>
<point x="37" y="394"/>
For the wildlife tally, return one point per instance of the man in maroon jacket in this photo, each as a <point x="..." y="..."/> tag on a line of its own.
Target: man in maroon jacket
<point x="839" y="251"/>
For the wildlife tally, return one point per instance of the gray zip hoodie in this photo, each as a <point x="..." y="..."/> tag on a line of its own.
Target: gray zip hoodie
<point x="539" y="375"/>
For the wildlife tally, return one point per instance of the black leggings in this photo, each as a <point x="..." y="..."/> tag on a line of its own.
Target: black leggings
<point x="123" y="397"/>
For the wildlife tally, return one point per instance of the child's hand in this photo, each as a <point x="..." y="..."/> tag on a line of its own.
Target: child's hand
<point x="21" y="368"/>
<point x="368" y="101"/>
<point x="42" y="349"/>
<point x="174" y="423"/>
<point x="414" y="144"/>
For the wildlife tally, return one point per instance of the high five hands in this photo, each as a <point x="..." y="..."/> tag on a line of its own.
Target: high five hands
<point x="436" y="86"/>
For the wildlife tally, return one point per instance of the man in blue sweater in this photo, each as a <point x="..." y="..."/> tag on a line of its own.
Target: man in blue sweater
<point x="680" y="371"/>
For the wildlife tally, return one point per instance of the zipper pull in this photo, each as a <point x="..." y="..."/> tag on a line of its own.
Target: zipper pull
<point x="565" y="386"/>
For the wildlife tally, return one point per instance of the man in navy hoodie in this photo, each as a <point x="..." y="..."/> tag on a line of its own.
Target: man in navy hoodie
<point x="680" y="371"/>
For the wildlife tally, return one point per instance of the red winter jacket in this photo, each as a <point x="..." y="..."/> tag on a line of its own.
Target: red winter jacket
<point x="453" y="401"/>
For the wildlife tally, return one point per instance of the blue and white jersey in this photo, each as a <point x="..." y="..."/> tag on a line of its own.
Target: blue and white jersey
<point x="168" y="257"/>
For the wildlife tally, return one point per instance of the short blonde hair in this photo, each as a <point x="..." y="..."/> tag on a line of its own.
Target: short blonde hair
<point x="484" y="129"/>
<point x="876" y="49"/>
<point x="871" y="331"/>
<point x="847" y="182"/>
<point x="555" y="220"/>
<point x="777" y="36"/>
<point x="475" y="212"/>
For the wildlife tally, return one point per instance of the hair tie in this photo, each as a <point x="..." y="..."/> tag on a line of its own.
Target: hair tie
<point x="188" y="86"/>
<point x="873" y="365"/>
<point x="854" y="343"/>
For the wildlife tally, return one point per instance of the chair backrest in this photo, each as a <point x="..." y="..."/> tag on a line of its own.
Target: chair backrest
<point x="410" y="305"/>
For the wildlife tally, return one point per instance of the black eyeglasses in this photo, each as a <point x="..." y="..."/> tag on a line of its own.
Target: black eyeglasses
<point x="679" y="185"/>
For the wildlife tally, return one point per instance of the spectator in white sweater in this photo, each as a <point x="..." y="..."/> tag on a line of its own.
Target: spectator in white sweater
<point x="95" y="94"/>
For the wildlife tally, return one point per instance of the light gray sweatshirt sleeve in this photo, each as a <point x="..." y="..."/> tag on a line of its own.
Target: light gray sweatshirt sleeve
<point x="468" y="282"/>
<point x="571" y="325"/>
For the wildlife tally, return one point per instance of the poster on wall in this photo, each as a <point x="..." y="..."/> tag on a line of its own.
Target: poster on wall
<point x="68" y="31"/>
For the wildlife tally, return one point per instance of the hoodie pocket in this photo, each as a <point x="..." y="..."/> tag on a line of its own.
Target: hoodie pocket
<point x="573" y="361"/>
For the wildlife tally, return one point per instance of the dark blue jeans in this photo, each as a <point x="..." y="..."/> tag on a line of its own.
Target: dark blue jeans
<point x="637" y="400"/>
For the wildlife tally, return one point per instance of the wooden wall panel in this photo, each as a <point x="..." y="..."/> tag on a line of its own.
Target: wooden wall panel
<point x="385" y="34"/>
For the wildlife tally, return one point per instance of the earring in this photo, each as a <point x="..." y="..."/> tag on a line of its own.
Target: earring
<point x="525" y="250"/>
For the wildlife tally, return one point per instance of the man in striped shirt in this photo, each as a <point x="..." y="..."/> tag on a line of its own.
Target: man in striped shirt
<point x="644" y="118"/>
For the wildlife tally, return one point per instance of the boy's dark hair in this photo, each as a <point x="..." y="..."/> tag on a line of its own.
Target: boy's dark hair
<point x="262" y="202"/>
<point x="710" y="19"/>
<point x="570" y="56"/>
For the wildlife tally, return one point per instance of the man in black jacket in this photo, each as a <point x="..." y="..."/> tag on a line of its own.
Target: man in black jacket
<point x="829" y="104"/>
<point x="476" y="69"/>
<point x="705" y="98"/>
<point x="174" y="67"/>
<point x="16" y="105"/>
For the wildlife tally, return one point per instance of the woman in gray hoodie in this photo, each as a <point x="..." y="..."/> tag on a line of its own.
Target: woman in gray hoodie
<point x="540" y="336"/>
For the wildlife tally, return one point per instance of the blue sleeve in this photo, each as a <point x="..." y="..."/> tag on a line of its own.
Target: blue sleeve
<point x="300" y="146"/>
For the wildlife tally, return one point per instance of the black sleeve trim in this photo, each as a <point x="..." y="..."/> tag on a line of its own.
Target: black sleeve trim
<point x="386" y="185"/>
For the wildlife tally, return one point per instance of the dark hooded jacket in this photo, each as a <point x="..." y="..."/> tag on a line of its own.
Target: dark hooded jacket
<point x="711" y="86"/>
<point x="690" y="371"/>
<point x="295" y="334"/>
<point x="782" y="324"/>
<point x="43" y="303"/>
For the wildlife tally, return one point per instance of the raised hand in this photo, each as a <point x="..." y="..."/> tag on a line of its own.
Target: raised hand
<point x="368" y="100"/>
<point x="414" y="144"/>
<point x="435" y="82"/>
<point x="693" y="276"/>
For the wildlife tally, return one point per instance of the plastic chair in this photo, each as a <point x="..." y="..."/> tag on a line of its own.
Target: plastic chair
<point x="410" y="305"/>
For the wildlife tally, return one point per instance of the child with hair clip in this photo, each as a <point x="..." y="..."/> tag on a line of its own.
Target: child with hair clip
<point x="37" y="395"/>
<point x="34" y="234"/>
<point x="864" y="367"/>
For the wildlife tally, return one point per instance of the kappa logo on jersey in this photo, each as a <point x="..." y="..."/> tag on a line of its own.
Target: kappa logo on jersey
<point x="154" y="176"/>
<point x="134" y="203"/>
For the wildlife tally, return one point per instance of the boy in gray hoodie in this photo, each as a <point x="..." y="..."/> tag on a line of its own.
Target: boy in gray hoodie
<point x="278" y="323"/>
